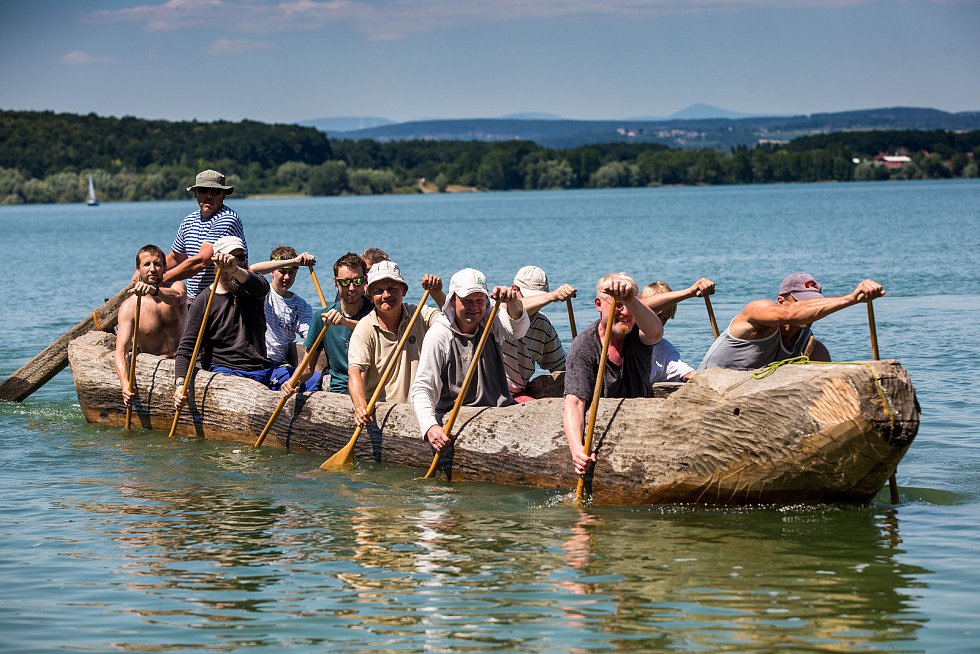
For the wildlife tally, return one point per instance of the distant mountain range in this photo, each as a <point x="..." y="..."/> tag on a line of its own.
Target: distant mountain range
<point x="697" y="126"/>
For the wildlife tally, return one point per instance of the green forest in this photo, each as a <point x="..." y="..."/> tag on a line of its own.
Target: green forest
<point x="48" y="157"/>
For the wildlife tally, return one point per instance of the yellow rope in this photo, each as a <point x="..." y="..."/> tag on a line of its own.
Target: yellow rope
<point x="762" y="373"/>
<point x="98" y="325"/>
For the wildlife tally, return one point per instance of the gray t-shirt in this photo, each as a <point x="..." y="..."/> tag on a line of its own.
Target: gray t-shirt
<point x="744" y="354"/>
<point x="631" y="379"/>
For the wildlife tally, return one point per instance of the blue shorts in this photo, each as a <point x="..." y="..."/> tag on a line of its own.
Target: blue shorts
<point x="273" y="377"/>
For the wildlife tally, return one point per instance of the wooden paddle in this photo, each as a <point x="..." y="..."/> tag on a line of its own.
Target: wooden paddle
<point x="54" y="358"/>
<point x="319" y="291"/>
<point x="293" y="381"/>
<point x="344" y="456"/>
<point x="132" y="361"/>
<point x="596" y="395"/>
<point x="892" y="480"/>
<point x="571" y="317"/>
<point x="711" y="315"/>
<point x="189" y="377"/>
<point x="470" y="373"/>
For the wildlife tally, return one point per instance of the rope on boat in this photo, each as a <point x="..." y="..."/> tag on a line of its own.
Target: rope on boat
<point x="95" y="317"/>
<point x="762" y="373"/>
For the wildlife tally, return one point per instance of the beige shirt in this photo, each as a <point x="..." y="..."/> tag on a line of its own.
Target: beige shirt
<point x="371" y="346"/>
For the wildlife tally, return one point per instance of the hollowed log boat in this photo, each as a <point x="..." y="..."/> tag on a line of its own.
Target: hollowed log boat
<point x="810" y="433"/>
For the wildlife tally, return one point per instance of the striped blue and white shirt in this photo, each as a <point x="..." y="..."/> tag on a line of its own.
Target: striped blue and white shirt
<point x="194" y="230"/>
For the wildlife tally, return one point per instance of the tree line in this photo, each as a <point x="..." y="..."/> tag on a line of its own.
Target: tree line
<point x="47" y="157"/>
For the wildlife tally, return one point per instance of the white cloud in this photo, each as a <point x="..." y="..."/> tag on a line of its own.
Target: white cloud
<point x="235" y="46"/>
<point x="394" y="19"/>
<point x="77" y="57"/>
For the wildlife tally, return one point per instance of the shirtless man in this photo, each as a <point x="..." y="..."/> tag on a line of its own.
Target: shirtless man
<point x="162" y="312"/>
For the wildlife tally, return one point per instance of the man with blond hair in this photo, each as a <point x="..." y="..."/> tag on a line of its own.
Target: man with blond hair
<point x="627" y="373"/>
<point x="666" y="364"/>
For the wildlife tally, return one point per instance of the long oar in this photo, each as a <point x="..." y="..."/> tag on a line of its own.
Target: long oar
<point x="189" y="377"/>
<point x="571" y="317"/>
<point x="596" y="395"/>
<point x="132" y="361"/>
<point x="470" y="373"/>
<point x="344" y="456"/>
<point x="300" y="369"/>
<point x="892" y="480"/>
<point x="319" y="291"/>
<point x="711" y="315"/>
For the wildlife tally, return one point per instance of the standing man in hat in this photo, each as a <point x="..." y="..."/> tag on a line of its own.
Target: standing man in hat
<point x="190" y="257"/>
<point x="376" y="335"/>
<point x="541" y="344"/>
<point x="448" y="350"/>
<point x="766" y="331"/>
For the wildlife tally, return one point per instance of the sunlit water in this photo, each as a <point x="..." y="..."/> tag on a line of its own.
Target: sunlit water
<point x="111" y="541"/>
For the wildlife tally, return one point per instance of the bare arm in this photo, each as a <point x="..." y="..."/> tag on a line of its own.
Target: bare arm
<point x="573" y="423"/>
<point x="433" y="284"/>
<point x="355" y="388"/>
<point x="700" y="288"/>
<point x="759" y="318"/>
<point x="185" y="266"/>
<point x="560" y="294"/>
<point x="265" y="267"/>
<point x="124" y="342"/>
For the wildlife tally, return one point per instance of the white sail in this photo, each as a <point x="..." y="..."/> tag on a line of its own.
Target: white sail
<point x="92" y="200"/>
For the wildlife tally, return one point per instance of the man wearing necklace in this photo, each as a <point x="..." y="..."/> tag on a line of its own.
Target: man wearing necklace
<point x="350" y="278"/>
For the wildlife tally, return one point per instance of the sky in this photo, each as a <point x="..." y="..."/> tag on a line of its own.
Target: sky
<point x="294" y="60"/>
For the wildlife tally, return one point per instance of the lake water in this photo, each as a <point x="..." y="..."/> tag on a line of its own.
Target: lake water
<point x="117" y="542"/>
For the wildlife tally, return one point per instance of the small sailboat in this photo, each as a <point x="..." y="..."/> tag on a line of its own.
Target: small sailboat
<point x="91" y="200"/>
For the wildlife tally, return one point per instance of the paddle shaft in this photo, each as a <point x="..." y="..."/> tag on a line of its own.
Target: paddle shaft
<point x="892" y="480"/>
<point x="132" y="361"/>
<point x="189" y="377"/>
<point x="470" y="373"/>
<point x="300" y="369"/>
<point x="596" y="395"/>
<point x="319" y="291"/>
<point x="344" y="455"/>
<point x="571" y="317"/>
<point x="711" y="315"/>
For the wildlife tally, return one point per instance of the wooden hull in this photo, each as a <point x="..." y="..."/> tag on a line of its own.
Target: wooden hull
<point x="806" y="433"/>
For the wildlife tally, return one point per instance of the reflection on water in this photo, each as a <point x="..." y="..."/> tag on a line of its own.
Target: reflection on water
<point x="246" y="542"/>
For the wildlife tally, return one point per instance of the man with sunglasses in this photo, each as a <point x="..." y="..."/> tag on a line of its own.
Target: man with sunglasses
<point x="350" y="278"/>
<point x="286" y="313"/>
<point x="666" y="364"/>
<point x="190" y="257"/>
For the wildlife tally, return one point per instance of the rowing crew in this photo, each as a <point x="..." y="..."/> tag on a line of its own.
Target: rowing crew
<point x="252" y="319"/>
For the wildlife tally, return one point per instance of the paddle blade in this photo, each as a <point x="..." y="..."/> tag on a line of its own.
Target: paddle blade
<point x="344" y="456"/>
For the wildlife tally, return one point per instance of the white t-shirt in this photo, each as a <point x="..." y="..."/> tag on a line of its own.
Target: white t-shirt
<point x="666" y="365"/>
<point x="285" y="317"/>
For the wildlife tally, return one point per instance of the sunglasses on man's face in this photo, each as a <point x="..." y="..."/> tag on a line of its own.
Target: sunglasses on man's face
<point x="209" y="191"/>
<point x="344" y="283"/>
<point x="287" y="269"/>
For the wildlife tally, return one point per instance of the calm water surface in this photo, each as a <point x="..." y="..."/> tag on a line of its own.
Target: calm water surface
<point x="116" y="542"/>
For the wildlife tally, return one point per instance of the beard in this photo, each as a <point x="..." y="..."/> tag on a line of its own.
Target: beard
<point x="228" y="281"/>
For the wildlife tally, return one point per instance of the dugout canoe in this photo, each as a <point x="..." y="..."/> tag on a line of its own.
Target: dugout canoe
<point x="806" y="433"/>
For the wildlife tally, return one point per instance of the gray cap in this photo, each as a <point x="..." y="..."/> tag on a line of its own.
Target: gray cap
<point x="211" y="179"/>
<point x="385" y="270"/>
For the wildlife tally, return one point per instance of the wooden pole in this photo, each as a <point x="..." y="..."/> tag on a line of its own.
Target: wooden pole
<point x="132" y="361"/>
<point x="293" y="380"/>
<point x="319" y="291"/>
<point x="470" y="373"/>
<point x="345" y="454"/>
<point x="892" y="480"/>
<point x="596" y="396"/>
<point x="571" y="317"/>
<point x="711" y="315"/>
<point x="189" y="377"/>
<point x="49" y="362"/>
